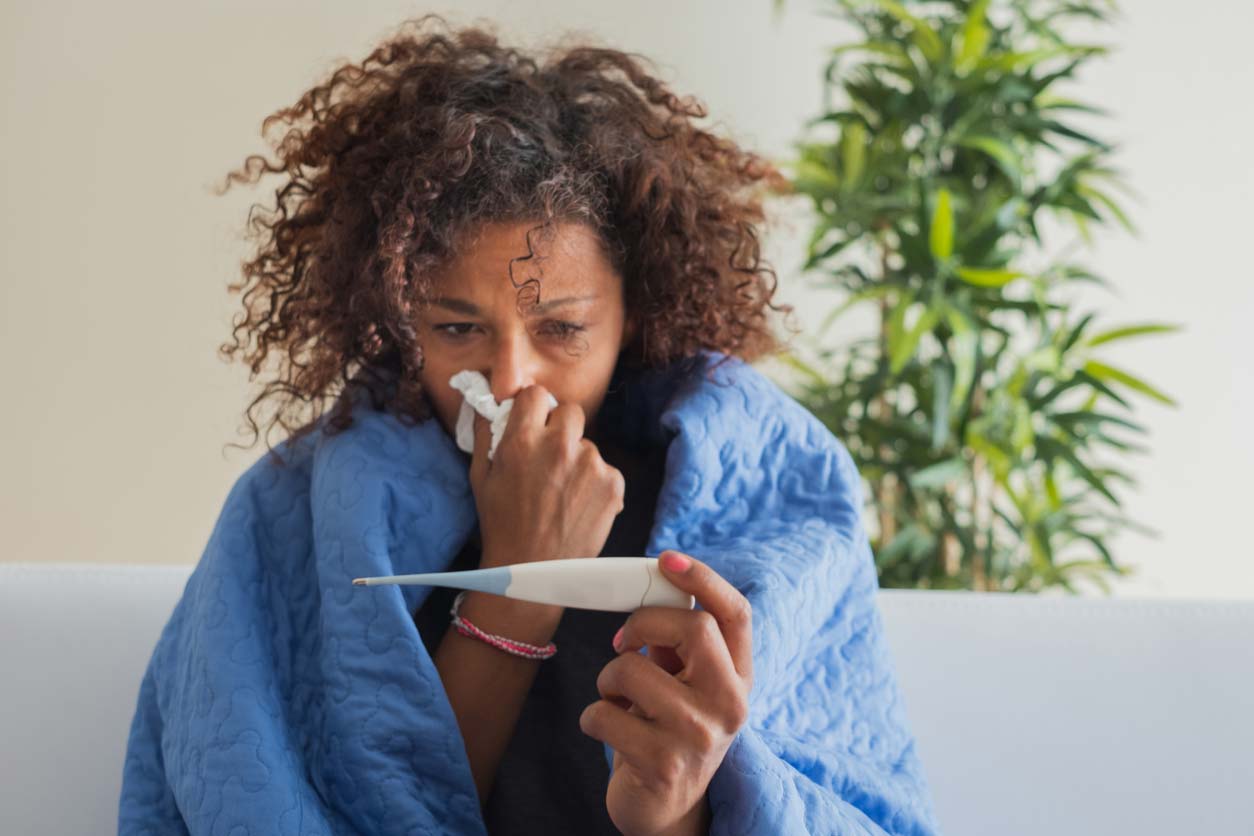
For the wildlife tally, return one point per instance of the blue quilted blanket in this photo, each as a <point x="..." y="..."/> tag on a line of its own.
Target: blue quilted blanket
<point x="281" y="699"/>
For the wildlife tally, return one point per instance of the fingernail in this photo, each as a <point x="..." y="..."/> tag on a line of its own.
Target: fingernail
<point x="618" y="638"/>
<point x="676" y="562"/>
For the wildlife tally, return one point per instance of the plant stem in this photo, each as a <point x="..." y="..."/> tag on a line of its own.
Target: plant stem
<point x="951" y="554"/>
<point x="981" y="505"/>
<point x="884" y="489"/>
<point x="978" y="579"/>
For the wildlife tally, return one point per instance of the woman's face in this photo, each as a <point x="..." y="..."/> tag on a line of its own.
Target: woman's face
<point x="569" y="344"/>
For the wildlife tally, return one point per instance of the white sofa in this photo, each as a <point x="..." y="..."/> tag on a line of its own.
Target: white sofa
<point x="1034" y="715"/>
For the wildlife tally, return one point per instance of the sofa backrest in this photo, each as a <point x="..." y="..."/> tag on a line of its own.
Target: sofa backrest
<point x="1033" y="715"/>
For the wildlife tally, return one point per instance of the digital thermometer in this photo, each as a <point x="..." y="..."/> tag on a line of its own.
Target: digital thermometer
<point x="613" y="584"/>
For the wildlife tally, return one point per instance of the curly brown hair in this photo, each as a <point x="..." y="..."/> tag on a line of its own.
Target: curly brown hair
<point x="388" y="163"/>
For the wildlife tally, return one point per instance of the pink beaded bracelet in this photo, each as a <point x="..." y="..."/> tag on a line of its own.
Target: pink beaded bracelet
<point x="527" y="651"/>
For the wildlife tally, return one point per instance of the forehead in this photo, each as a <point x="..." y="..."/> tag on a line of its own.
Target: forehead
<point x="567" y="258"/>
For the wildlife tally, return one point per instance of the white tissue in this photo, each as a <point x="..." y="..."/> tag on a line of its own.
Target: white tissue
<point x="477" y="397"/>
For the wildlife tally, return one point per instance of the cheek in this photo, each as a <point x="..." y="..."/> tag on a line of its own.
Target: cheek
<point x="445" y="399"/>
<point x="589" y="389"/>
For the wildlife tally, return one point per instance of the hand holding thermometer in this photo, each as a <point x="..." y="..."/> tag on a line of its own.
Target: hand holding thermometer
<point x="613" y="584"/>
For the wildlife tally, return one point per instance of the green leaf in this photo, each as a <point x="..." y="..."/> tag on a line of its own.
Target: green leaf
<point x="962" y="351"/>
<point x="1051" y="101"/>
<point x="1130" y="331"/>
<point x="1076" y="331"/>
<point x="887" y="49"/>
<point x="1109" y="202"/>
<point x="861" y="296"/>
<point x="1003" y="62"/>
<point x="1044" y="359"/>
<point x="1082" y="226"/>
<point x="1022" y="435"/>
<point x="1051" y="490"/>
<point x="940" y="474"/>
<point x="1099" y="545"/>
<point x="975" y="37"/>
<point x="830" y="250"/>
<point x="1084" y="377"/>
<point x="921" y="31"/>
<point x="1101" y="371"/>
<point x="791" y="359"/>
<point x="852" y="153"/>
<point x="1054" y="449"/>
<point x="1095" y="418"/>
<point x="941" y="239"/>
<point x="1090" y="569"/>
<point x="1059" y="128"/>
<point x="987" y="278"/>
<point x="905" y="345"/>
<point x="895" y="326"/>
<point x="814" y="178"/>
<point x="1001" y="153"/>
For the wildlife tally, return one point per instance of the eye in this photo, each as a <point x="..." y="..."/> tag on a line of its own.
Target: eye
<point x="447" y="328"/>
<point x="565" y="329"/>
<point x="560" y="329"/>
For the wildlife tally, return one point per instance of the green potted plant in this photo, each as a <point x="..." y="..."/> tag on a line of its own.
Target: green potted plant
<point x="991" y="432"/>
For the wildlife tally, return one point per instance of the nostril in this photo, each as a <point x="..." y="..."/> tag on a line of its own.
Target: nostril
<point x="505" y="393"/>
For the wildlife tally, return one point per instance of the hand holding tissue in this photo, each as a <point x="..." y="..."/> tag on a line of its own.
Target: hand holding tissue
<point x="477" y="397"/>
<point x="556" y="499"/>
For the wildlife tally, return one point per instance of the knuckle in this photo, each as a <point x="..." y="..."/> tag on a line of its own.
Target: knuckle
<point x="569" y="411"/>
<point x="588" y="453"/>
<point x="606" y="678"/>
<point x="617" y="482"/>
<point x="670" y="768"/>
<point x="637" y="664"/>
<point x="742" y="611"/>
<point x="703" y="737"/>
<point x="601" y="679"/>
<point x="524" y="400"/>
<point x="707" y="625"/>
<point x="564" y="413"/>
<point x="738" y="715"/>
<point x="589" y="718"/>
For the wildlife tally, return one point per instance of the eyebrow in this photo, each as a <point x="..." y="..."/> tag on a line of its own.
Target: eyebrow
<point x="464" y="307"/>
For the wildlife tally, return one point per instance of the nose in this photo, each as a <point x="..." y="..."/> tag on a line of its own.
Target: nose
<point x="514" y="367"/>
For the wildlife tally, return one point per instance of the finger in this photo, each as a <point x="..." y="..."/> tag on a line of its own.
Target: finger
<point x="527" y="414"/>
<point x="720" y="599"/>
<point x="568" y="419"/>
<point x="633" y="737"/>
<point x="657" y="694"/>
<point x="479" y="463"/>
<point x="693" y="635"/>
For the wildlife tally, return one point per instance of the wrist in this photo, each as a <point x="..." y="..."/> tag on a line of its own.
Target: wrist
<point x="521" y="621"/>
<point x="695" y="823"/>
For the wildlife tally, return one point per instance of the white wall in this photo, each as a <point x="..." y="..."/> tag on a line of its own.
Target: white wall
<point x="1180" y="88"/>
<point x="118" y="118"/>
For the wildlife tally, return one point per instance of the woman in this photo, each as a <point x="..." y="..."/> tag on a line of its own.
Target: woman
<point x="566" y="230"/>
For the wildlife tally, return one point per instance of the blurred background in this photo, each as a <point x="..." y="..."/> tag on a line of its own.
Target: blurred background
<point x="119" y="119"/>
